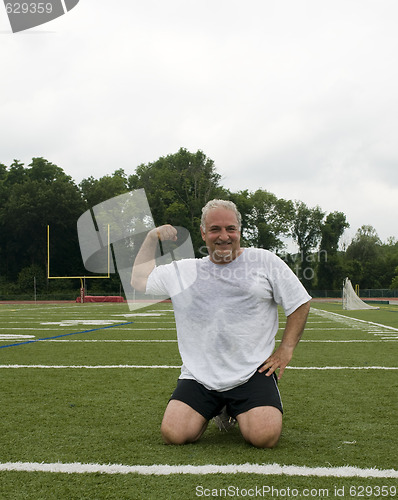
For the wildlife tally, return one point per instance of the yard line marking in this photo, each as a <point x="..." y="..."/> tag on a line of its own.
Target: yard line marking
<point x="24" y="328"/>
<point x="331" y="328"/>
<point x="125" y="340"/>
<point x="4" y="336"/>
<point x="147" y="314"/>
<point x="166" y="470"/>
<point x="342" y="367"/>
<point x="89" y="367"/>
<point x="152" y="329"/>
<point x="107" y="367"/>
<point x="372" y="341"/>
<point x="115" y="341"/>
<point x="39" y="329"/>
<point x="16" y="322"/>
<point x="64" y="335"/>
<point x="89" y="322"/>
<point x="348" y="319"/>
<point x="165" y="310"/>
<point x="163" y="321"/>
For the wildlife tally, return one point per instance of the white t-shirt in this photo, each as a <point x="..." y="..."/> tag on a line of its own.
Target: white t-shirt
<point x="226" y="315"/>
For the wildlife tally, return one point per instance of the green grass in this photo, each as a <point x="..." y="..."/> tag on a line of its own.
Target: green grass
<point x="333" y="418"/>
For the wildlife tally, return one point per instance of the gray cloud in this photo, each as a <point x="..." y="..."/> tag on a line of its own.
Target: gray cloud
<point x="296" y="97"/>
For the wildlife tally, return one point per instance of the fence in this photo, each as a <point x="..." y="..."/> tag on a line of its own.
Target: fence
<point x="365" y="293"/>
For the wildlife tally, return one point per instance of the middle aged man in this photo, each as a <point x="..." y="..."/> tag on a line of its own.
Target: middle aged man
<point x="226" y="326"/>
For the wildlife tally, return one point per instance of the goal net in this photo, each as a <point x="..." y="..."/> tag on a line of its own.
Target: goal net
<point x="351" y="300"/>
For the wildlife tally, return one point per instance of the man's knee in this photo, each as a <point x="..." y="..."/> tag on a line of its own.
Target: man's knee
<point x="264" y="439"/>
<point x="173" y="434"/>
<point x="181" y="424"/>
<point x="261" y="426"/>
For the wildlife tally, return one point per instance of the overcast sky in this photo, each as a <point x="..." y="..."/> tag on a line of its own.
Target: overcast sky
<point x="298" y="97"/>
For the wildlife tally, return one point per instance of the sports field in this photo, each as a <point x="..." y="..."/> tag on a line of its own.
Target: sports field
<point x="81" y="409"/>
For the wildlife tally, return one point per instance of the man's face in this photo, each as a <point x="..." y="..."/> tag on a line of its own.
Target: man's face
<point x="222" y="236"/>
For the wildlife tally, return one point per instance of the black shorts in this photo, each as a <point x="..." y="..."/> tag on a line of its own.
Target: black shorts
<point x="259" y="390"/>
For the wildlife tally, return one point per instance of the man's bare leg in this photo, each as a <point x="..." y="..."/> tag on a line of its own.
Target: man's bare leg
<point x="182" y="424"/>
<point x="261" y="426"/>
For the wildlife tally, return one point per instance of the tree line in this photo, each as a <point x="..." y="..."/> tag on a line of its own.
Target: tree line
<point x="177" y="186"/>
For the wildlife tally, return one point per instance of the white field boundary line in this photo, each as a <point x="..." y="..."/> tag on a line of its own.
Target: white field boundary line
<point x="171" y="329"/>
<point x="166" y="470"/>
<point x="334" y="328"/>
<point x="348" y="319"/>
<point x="6" y="338"/>
<point x="109" y="367"/>
<point x="114" y="341"/>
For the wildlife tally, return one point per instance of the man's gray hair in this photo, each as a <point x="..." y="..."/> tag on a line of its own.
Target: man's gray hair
<point x="228" y="205"/>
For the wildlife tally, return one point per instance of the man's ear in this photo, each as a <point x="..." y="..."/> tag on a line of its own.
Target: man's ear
<point x="203" y="234"/>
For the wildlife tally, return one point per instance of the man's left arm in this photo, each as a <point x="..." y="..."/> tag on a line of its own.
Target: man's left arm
<point x="294" y="328"/>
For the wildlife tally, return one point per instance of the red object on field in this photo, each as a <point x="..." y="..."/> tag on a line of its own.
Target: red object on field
<point x="101" y="298"/>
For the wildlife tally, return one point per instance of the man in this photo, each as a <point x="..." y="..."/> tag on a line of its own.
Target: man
<point x="226" y="321"/>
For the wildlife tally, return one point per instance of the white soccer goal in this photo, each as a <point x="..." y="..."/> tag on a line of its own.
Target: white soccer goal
<point x="351" y="300"/>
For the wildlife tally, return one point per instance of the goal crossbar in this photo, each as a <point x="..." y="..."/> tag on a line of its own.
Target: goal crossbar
<point x="76" y="277"/>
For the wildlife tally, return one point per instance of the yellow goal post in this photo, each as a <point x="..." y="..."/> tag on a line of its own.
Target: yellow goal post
<point x="77" y="277"/>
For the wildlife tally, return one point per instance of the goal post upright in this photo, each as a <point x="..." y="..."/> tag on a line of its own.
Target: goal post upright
<point x="81" y="278"/>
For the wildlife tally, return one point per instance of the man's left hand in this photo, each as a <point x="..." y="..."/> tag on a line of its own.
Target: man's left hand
<point x="281" y="357"/>
<point x="278" y="360"/>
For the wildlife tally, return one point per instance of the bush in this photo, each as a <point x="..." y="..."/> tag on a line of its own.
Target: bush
<point x="28" y="276"/>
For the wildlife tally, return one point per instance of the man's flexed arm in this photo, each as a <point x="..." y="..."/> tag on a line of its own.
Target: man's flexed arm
<point x="145" y="261"/>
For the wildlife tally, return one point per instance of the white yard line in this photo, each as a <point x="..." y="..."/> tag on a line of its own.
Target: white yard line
<point x="132" y="341"/>
<point x="151" y="329"/>
<point x="166" y="470"/>
<point x="348" y="319"/>
<point x="109" y="367"/>
<point x="37" y="329"/>
<point x="329" y="328"/>
<point x="89" y="367"/>
<point x="4" y="338"/>
<point x="373" y="341"/>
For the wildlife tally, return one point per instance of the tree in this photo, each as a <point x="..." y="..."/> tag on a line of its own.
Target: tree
<point x="177" y="187"/>
<point x="266" y="219"/>
<point x="98" y="190"/>
<point x="365" y="245"/>
<point x="36" y="197"/>
<point x="388" y="264"/>
<point x="330" y="270"/>
<point x="394" y="282"/>
<point x="29" y="276"/>
<point x="366" y="249"/>
<point x="243" y="202"/>
<point x="306" y="232"/>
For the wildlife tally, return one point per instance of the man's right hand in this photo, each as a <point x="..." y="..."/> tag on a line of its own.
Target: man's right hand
<point x="145" y="261"/>
<point x="165" y="233"/>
